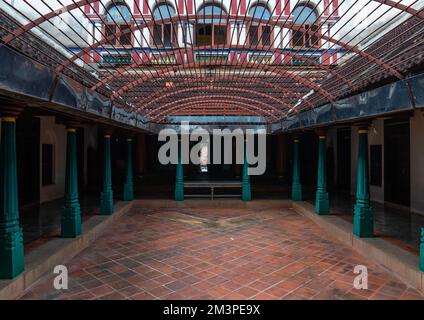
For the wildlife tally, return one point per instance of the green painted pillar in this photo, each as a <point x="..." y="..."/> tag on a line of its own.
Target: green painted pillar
<point x="296" y="186"/>
<point x="179" y="177"/>
<point x="106" y="197"/>
<point x="422" y="251"/>
<point x="128" y="186"/>
<point x="11" y="238"/>
<point x="322" y="204"/>
<point x="363" y="220"/>
<point x="71" y="212"/>
<point x="246" y="194"/>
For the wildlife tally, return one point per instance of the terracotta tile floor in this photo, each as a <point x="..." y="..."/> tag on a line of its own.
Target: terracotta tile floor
<point x="218" y="254"/>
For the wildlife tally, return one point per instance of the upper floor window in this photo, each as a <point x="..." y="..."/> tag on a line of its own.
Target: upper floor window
<point x="259" y="32"/>
<point x="306" y="18"/>
<point x="118" y="19"/>
<point x="163" y="33"/>
<point x="211" y="27"/>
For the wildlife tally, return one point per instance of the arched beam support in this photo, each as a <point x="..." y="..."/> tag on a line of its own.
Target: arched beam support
<point x="153" y="114"/>
<point x="190" y="106"/>
<point x="283" y="73"/>
<point x="232" y="77"/>
<point x="218" y="88"/>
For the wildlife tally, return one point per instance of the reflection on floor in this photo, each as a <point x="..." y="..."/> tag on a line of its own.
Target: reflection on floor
<point x="218" y="253"/>
<point x="399" y="225"/>
<point x="40" y="223"/>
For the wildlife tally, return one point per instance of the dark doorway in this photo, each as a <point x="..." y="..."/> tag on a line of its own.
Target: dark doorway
<point x="397" y="161"/>
<point x="343" y="159"/>
<point x="308" y="160"/>
<point x="28" y="159"/>
<point x="80" y="159"/>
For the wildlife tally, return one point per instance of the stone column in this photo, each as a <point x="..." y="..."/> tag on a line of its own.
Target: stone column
<point x="296" y="186"/>
<point x="71" y="212"/>
<point x="129" y="186"/>
<point x="322" y="205"/>
<point x="11" y="238"/>
<point x="179" y="177"/>
<point x="363" y="220"/>
<point x="106" y="197"/>
<point x="246" y="193"/>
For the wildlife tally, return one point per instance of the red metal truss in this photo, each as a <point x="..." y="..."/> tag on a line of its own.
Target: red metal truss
<point x="218" y="89"/>
<point x="345" y="58"/>
<point x="164" y="91"/>
<point x="224" y="107"/>
<point x="254" y="104"/>
<point x="281" y="72"/>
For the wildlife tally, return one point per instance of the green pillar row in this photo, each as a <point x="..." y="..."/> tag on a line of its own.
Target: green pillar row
<point x="296" y="186"/>
<point x="71" y="212"/>
<point x="322" y="204"/>
<point x="11" y="238"/>
<point x="246" y="193"/>
<point x="363" y="220"/>
<point x="129" y="186"/>
<point x="179" y="176"/>
<point x="422" y="251"/>
<point x="106" y="197"/>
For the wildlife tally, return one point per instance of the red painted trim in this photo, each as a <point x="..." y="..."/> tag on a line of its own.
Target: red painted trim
<point x="136" y="6"/>
<point x="242" y="7"/>
<point x="243" y="57"/>
<point x="334" y="58"/>
<point x="180" y="7"/>
<point x="190" y="6"/>
<point x="180" y="57"/>
<point x="190" y="56"/>
<point x="287" y="7"/>
<point x="326" y="58"/>
<point x="136" y="56"/>
<point x="326" y="7"/>
<point x="97" y="57"/>
<point x="336" y="7"/>
<point x="87" y="9"/>
<point x="233" y="7"/>
<point x="144" y="56"/>
<point x="277" y="58"/>
<point x="97" y="7"/>
<point x="233" y="57"/>
<point x="278" y="7"/>
<point x="87" y="58"/>
<point x="145" y="6"/>
<point x="287" y="59"/>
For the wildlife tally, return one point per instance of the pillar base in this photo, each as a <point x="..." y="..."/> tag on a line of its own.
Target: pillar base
<point x="11" y="251"/>
<point x="322" y="203"/>
<point x="71" y="221"/>
<point x="179" y="192"/>
<point x="363" y="221"/>
<point x="246" y="195"/>
<point x="296" y="194"/>
<point x="106" y="203"/>
<point x="128" y="192"/>
<point x="422" y="251"/>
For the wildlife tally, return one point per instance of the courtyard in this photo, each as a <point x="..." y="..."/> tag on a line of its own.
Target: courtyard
<point x="219" y="253"/>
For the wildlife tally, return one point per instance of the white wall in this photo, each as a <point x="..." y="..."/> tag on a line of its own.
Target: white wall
<point x="52" y="133"/>
<point x="417" y="162"/>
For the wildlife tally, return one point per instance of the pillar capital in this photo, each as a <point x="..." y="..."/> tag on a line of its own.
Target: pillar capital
<point x="322" y="133"/>
<point x="363" y="127"/>
<point x="107" y="132"/>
